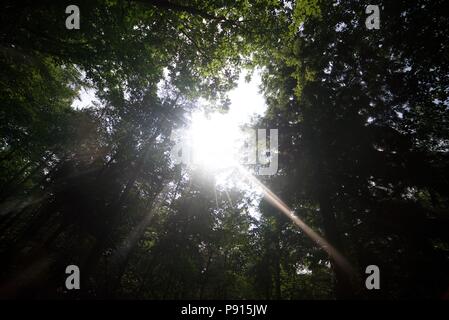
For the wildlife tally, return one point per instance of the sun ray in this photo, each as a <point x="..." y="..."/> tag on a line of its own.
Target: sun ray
<point x="229" y="198"/>
<point x="335" y="255"/>
<point x="214" y="140"/>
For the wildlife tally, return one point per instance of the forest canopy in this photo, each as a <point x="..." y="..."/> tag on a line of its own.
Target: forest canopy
<point x="363" y="150"/>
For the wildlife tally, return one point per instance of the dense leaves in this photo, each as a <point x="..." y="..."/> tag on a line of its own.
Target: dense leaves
<point x="363" y="151"/>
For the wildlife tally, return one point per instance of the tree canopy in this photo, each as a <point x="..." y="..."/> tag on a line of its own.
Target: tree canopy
<point x="363" y="124"/>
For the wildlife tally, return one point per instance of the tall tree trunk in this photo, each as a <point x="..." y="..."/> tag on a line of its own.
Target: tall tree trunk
<point x="277" y="262"/>
<point x="343" y="283"/>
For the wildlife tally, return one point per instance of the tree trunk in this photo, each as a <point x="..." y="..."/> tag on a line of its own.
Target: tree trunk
<point x="344" y="288"/>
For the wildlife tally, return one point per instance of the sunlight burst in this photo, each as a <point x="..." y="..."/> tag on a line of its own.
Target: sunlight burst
<point x="215" y="141"/>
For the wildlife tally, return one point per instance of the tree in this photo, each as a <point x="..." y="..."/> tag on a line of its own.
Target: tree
<point x="347" y="97"/>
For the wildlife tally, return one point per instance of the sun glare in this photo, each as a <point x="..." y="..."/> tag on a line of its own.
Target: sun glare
<point x="215" y="139"/>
